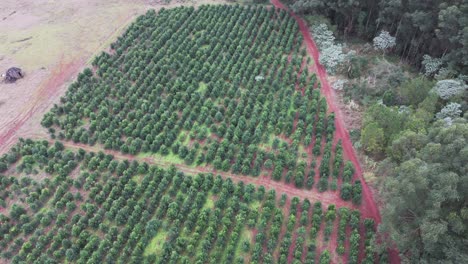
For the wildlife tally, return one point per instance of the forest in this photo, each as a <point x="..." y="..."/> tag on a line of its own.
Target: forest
<point x="252" y="107"/>
<point x="437" y="28"/>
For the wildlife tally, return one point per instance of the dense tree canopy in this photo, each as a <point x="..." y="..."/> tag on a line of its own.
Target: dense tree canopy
<point x="224" y="86"/>
<point x="438" y="28"/>
<point x="426" y="209"/>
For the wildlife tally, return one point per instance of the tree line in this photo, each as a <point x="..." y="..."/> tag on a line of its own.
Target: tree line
<point x="436" y="28"/>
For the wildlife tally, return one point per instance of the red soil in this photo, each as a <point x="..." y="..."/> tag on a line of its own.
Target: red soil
<point x="6" y="138"/>
<point x="369" y="208"/>
<point x="333" y="242"/>
<point x="28" y="123"/>
<point x="347" y="243"/>
<point x="320" y="245"/>
<point x="286" y="208"/>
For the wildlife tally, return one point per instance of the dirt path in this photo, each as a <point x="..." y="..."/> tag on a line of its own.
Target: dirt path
<point x="326" y="197"/>
<point x="369" y="208"/>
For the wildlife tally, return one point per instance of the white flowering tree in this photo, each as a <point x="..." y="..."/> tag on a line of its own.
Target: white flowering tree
<point x="447" y="89"/>
<point x="323" y="36"/>
<point x="431" y="65"/>
<point x="384" y="41"/>
<point x="332" y="57"/>
<point x="331" y="54"/>
<point x="451" y="110"/>
<point x="339" y="84"/>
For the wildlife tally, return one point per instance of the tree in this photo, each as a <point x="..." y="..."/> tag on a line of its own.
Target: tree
<point x="332" y="57"/>
<point x="357" y="192"/>
<point x="325" y="257"/>
<point x="3" y="166"/>
<point x="451" y="111"/>
<point x="268" y="164"/>
<point x="346" y="191"/>
<point x="302" y="6"/>
<point x="372" y="138"/>
<point x="425" y="199"/>
<point x="384" y="41"/>
<point x="406" y="145"/>
<point x="17" y="211"/>
<point x="447" y="89"/>
<point x="323" y="184"/>
<point x="431" y="65"/>
<point x="414" y="91"/>
<point x="322" y="35"/>
<point x="390" y="119"/>
<point x="71" y="254"/>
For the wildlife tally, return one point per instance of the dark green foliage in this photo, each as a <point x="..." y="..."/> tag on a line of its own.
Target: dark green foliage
<point x="430" y="172"/>
<point x="323" y="184"/>
<point x="357" y="192"/>
<point x="420" y="28"/>
<point x="3" y="166"/>
<point x="346" y="191"/>
<point x="131" y="214"/>
<point x="17" y="211"/>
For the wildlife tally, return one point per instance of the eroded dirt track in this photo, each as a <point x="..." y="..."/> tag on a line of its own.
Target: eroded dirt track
<point x="369" y="208"/>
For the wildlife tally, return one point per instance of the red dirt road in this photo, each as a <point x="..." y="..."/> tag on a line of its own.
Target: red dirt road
<point x="369" y="208"/>
<point x="326" y="198"/>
